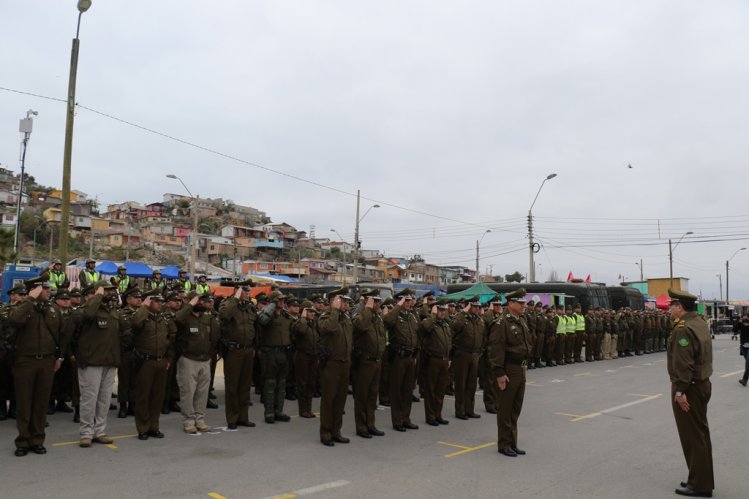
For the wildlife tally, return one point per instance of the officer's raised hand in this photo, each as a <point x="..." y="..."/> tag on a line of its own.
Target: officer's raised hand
<point x="100" y="290"/>
<point x="34" y="293"/>
<point x="336" y="304"/>
<point x="401" y="302"/>
<point x="238" y="293"/>
<point x="147" y="301"/>
<point x="194" y="300"/>
<point x="434" y="309"/>
<point x="370" y="303"/>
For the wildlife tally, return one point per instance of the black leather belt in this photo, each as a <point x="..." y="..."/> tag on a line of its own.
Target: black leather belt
<point x="145" y="356"/>
<point x="515" y="362"/>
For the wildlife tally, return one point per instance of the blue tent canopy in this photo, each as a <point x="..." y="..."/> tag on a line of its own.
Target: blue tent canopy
<point x="138" y="269"/>
<point x="107" y="267"/>
<point x="134" y="269"/>
<point x="170" y="272"/>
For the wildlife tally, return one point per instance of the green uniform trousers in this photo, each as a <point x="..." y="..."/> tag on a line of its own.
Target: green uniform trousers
<point x="33" y="385"/>
<point x="334" y="378"/>
<point x="694" y="433"/>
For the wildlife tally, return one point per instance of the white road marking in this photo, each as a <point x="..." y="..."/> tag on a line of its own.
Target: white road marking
<point x="728" y="375"/>
<point x="311" y="490"/>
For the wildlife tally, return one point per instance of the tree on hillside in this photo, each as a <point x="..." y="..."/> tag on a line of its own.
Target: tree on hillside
<point x="516" y="277"/>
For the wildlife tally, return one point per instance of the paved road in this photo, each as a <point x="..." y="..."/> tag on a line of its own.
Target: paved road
<point x="592" y="430"/>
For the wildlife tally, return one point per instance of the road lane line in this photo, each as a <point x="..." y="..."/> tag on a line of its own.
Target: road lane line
<point x="311" y="490"/>
<point x="111" y="446"/>
<point x="618" y="407"/>
<point x="728" y="375"/>
<point x="470" y="449"/>
<point x="568" y="414"/>
<point x="76" y="442"/>
<point x="216" y="495"/>
<point x="453" y="445"/>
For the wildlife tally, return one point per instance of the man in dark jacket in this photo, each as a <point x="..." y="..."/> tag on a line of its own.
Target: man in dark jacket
<point x="97" y="355"/>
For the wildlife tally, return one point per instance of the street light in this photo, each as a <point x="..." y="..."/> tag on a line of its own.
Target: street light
<point x="671" y="258"/>
<point x="531" y="245"/>
<point x="720" y="285"/>
<point x="194" y="234"/>
<point x="478" y="242"/>
<point x="83" y="6"/>
<point x="639" y="264"/>
<point x="734" y="254"/>
<point x="355" y="272"/>
<point x="343" y="251"/>
<point x="25" y="127"/>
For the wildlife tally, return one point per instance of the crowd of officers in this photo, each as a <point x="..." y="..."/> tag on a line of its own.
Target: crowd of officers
<point x="164" y="342"/>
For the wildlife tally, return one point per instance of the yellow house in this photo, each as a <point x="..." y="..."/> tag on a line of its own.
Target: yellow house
<point x="57" y="193"/>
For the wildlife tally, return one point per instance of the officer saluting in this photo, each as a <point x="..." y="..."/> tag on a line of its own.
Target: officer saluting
<point x="510" y="348"/>
<point x="690" y="364"/>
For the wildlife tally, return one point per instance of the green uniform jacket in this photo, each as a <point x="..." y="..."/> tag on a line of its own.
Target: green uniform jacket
<point x="238" y="321"/>
<point x="437" y="335"/>
<point x="36" y="328"/>
<point x="153" y="333"/>
<point x="274" y="330"/>
<point x="97" y="338"/>
<point x="509" y="341"/>
<point x="304" y="334"/>
<point x="369" y="335"/>
<point x="336" y="332"/>
<point x="195" y="337"/>
<point x="402" y="327"/>
<point x="468" y="332"/>
<point x="690" y="352"/>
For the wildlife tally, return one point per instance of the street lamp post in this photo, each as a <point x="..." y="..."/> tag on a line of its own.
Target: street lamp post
<point x="355" y="272"/>
<point x="720" y="285"/>
<point x="734" y="254"/>
<point x="671" y="258"/>
<point x="478" y="243"/>
<point x="639" y="264"/>
<point x="531" y="244"/>
<point x="83" y="6"/>
<point x="25" y="127"/>
<point x="194" y="234"/>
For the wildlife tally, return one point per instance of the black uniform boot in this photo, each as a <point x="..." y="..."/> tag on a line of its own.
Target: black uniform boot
<point x="131" y="408"/>
<point x="77" y="414"/>
<point x="122" y="413"/>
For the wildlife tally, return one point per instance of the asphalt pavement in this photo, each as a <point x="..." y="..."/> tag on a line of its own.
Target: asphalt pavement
<point x="592" y="430"/>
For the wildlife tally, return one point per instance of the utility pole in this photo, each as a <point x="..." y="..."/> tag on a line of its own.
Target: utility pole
<point x="478" y="275"/>
<point x="531" y="244"/>
<point x="25" y="127"/>
<point x="355" y="272"/>
<point x="670" y="265"/>
<point x="734" y="254"/>
<point x="720" y="285"/>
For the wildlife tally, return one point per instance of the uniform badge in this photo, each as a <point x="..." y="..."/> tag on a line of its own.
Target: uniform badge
<point x="683" y="342"/>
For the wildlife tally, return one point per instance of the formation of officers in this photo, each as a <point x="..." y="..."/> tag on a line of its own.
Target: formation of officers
<point x="164" y="342"/>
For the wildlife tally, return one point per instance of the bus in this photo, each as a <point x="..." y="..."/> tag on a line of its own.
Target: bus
<point x="625" y="296"/>
<point x="588" y="295"/>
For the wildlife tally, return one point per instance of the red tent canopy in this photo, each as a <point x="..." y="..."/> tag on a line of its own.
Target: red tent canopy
<point x="663" y="301"/>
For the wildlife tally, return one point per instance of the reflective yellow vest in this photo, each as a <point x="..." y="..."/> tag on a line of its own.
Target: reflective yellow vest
<point x="579" y="322"/>
<point x="570" y="324"/>
<point x="202" y="289"/>
<point x="123" y="283"/>
<point x="91" y="277"/>
<point x="56" y="279"/>
<point x="561" y="325"/>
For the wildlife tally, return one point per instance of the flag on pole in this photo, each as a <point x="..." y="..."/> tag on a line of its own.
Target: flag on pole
<point x="587" y="279"/>
<point x="570" y="276"/>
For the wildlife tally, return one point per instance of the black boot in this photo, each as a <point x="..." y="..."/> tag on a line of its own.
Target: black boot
<point x="131" y="408"/>
<point x="63" y="407"/>
<point x="3" y="410"/>
<point x="122" y="414"/>
<point x="77" y="414"/>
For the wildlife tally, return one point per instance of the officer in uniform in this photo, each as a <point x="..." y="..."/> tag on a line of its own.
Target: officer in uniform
<point x="510" y="348"/>
<point x="121" y="280"/>
<point x="402" y="326"/>
<point x="485" y="378"/>
<point x="201" y="287"/>
<point x="88" y="276"/>
<point x="36" y="329"/>
<point x="174" y="303"/>
<point x="437" y="343"/>
<point x="538" y="347"/>
<point x="156" y="282"/>
<point x="58" y="279"/>
<point x="551" y="336"/>
<point x="384" y="391"/>
<point x="7" y="396"/>
<point x="305" y="338"/>
<point x="237" y="345"/>
<point x="153" y="347"/>
<point x="62" y="386"/>
<point x="468" y="340"/>
<point x="274" y="338"/>
<point x="368" y="351"/>
<point x="336" y="342"/>
<point x="126" y="372"/>
<point x="182" y="282"/>
<point x="591" y="335"/>
<point x="561" y="335"/>
<point x="690" y="364"/>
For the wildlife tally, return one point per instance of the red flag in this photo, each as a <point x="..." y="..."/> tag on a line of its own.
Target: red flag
<point x="587" y="279"/>
<point x="570" y="276"/>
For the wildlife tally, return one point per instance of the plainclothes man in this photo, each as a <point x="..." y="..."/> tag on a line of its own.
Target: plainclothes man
<point x="510" y="348"/>
<point x="690" y="364"/>
<point x="196" y="341"/>
<point x="97" y="354"/>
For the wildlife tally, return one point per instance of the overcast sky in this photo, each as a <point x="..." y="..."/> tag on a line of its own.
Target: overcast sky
<point x="448" y="114"/>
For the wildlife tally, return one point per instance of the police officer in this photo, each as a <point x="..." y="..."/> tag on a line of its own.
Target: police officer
<point x="336" y="341"/>
<point x="126" y="372"/>
<point x="690" y="364"/>
<point x="237" y="345"/>
<point x="121" y="280"/>
<point x="62" y="386"/>
<point x="153" y="347"/>
<point x="437" y="343"/>
<point x="36" y="328"/>
<point x="305" y="338"/>
<point x="510" y="348"/>
<point x="274" y="337"/>
<point x="58" y="279"/>
<point x="88" y="275"/>
<point x="402" y="327"/>
<point x="368" y="351"/>
<point x="201" y="287"/>
<point x="156" y="282"/>
<point x="7" y="396"/>
<point x="468" y="339"/>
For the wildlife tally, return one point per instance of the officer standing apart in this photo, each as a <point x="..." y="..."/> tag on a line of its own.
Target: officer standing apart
<point x="37" y="328"/>
<point x="510" y="347"/>
<point x="336" y="340"/>
<point x="690" y="364"/>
